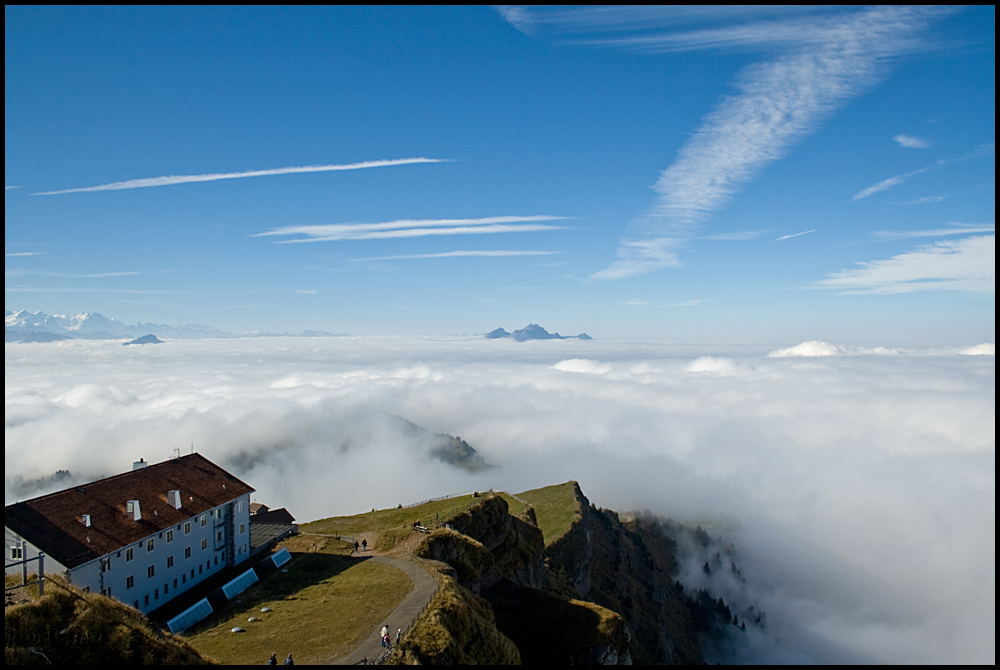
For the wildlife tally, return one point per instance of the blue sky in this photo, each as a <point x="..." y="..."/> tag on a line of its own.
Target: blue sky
<point x="682" y="174"/>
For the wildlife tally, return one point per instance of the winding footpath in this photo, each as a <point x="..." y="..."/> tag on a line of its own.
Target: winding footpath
<point x="424" y="588"/>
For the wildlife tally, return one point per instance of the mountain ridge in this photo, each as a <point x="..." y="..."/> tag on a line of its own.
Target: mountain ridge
<point x="532" y="332"/>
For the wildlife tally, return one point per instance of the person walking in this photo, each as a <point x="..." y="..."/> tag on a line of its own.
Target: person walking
<point x="288" y="660"/>
<point x="385" y="635"/>
<point x="273" y="660"/>
<point x="364" y="545"/>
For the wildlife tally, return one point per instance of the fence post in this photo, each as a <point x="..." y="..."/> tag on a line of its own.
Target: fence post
<point x="41" y="574"/>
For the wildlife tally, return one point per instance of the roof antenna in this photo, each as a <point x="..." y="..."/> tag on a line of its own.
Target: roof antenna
<point x="192" y="447"/>
<point x="177" y="451"/>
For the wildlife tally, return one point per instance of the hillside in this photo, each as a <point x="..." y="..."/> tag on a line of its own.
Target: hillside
<point x="555" y="581"/>
<point x="565" y="582"/>
<point x="69" y="627"/>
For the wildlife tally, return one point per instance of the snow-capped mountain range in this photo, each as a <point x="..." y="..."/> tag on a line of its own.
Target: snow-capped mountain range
<point x="25" y="326"/>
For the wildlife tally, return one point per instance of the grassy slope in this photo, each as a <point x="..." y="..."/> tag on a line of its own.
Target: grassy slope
<point x="556" y="509"/>
<point x="386" y="527"/>
<point x="67" y="626"/>
<point x="457" y="628"/>
<point x="322" y="608"/>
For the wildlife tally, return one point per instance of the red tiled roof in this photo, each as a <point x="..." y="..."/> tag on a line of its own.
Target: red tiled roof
<point x="54" y="522"/>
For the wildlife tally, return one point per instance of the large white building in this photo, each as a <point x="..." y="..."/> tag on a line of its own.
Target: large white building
<point x="143" y="537"/>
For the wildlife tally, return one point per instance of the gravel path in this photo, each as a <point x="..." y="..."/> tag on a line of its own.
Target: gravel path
<point x="424" y="588"/>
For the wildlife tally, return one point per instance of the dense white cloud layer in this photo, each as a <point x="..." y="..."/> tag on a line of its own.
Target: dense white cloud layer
<point x="859" y="488"/>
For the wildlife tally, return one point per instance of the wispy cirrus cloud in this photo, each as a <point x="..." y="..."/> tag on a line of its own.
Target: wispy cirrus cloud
<point x="788" y="237"/>
<point x="171" y="180"/>
<point x="980" y="151"/>
<point x="413" y="228"/>
<point x="23" y="253"/>
<point x="886" y="184"/>
<point x="824" y="58"/>
<point x="967" y="265"/>
<point x="645" y="304"/>
<point x="485" y="253"/>
<point x="61" y="275"/>
<point x="952" y="229"/>
<point x="910" y="142"/>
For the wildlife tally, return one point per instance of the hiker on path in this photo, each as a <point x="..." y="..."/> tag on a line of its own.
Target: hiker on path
<point x="288" y="660"/>
<point x="364" y="545"/>
<point x="399" y="634"/>
<point x="273" y="660"/>
<point x="356" y="545"/>
<point x="385" y="635"/>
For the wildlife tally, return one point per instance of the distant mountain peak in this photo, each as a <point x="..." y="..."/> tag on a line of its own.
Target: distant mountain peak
<point x="533" y="332"/>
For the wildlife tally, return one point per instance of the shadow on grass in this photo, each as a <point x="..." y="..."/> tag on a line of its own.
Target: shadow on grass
<point x="304" y="570"/>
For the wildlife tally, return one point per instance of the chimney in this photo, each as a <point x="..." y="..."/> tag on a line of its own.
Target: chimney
<point x="140" y="464"/>
<point x="86" y="520"/>
<point x="174" y="499"/>
<point x="132" y="509"/>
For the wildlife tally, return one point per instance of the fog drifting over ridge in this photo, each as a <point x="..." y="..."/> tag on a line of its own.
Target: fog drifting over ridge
<point x="858" y="485"/>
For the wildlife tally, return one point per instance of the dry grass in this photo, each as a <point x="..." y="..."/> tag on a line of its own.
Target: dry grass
<point x="67" y="626"/>
<point x="323" y="607"/>
<point x="390" y="530"/>
<point x="457" y="627"/>
<point x="556" y="509"/>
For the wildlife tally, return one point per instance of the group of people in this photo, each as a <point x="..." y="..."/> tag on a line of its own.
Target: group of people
<point x="274" y="659"/>
<point x="363" y="545"/>
<point x="386" y="640"/>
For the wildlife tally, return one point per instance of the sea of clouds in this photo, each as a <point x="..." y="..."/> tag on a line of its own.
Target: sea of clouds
<point x="856" y="486"/>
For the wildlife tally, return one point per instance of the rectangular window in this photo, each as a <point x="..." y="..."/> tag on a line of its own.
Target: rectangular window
<point x="129" y="554"/>
<point x="149" y="544"/>
<point x="204" y="545"/>
<point x="146" y="599"/>
<point x="218" y="536"/>
<point x="150" y="571"/>
<point x="243" y="528"/>
<point x="170" y="536"/>
<point x="16" y="553"/>
<point x="156" y="594"/>
<point x="187" y="552"/>
<point x="170" y="561"/>
<point x="175" y="583"/>
<point x="204" y="519"/>
<point x="187" y="527"/>
<point x="129" y="582"/>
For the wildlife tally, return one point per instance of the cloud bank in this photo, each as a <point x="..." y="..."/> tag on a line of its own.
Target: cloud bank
<point x="858" y="489"/>
<point x="171" y="180"/>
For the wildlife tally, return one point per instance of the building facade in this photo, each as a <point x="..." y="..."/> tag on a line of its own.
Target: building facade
<point x="142" y="537"/>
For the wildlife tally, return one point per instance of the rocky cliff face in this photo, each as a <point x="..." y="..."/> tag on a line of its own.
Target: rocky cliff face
<point x="501" y="557"/>
<point x="629" y="568"/>
<point x="604" y="592"/>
